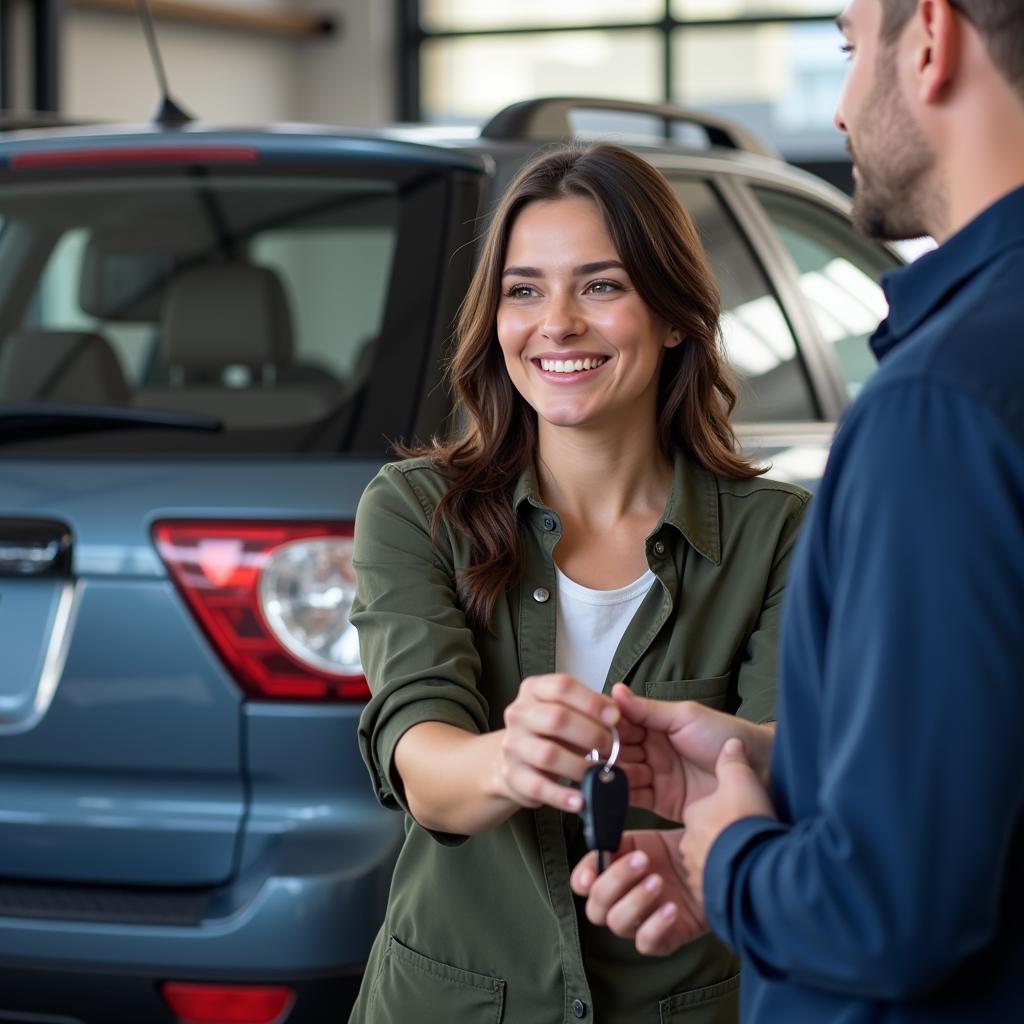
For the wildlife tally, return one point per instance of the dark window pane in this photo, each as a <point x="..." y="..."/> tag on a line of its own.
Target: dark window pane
<point x="256" y="299"/>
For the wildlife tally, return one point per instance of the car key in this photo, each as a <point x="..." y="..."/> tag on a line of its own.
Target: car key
<point x="605" y="792"/>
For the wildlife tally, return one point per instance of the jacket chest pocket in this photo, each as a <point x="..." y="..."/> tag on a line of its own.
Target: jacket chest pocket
<point x="412" y="987"/>
<point x="712" y="691"/>
<point x="713" y="1004"/>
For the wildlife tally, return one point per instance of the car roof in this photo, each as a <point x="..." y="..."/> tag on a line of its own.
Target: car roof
<point x="280" y="141"/>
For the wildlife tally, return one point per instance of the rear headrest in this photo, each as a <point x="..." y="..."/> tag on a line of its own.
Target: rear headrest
<point x="125" y="268"/>
<point x="61" y="366"/>
<point x="227" y="315"/>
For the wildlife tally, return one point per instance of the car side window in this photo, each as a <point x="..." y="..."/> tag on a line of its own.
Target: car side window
<point x="757" y="337"/>
<point x="838" y="273"/>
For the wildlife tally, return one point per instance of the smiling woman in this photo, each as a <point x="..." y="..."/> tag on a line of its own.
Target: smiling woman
<point x="508" y="577"/>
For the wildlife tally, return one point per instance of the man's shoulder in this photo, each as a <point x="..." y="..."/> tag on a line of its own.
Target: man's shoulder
<point x="971" y="345"/>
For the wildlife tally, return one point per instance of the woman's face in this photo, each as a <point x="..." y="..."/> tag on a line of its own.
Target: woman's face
<point x="581" y="346"/>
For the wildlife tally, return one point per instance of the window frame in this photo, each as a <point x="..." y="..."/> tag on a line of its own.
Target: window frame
<point x="412" y="36"/>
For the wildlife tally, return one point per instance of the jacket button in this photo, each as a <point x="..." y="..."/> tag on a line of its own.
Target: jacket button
<point x="659" y="548"/>
<point x="579" y="1008"/>
<point x="549" y="523"/>
<point x="541" y="594"/>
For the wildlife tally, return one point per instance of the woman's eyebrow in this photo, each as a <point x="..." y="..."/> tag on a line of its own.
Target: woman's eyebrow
<point x="596" y="268"/>
<point x="583" y="268"/>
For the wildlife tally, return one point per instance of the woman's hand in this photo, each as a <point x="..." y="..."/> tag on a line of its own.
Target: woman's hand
<point x="642" y="895"/>
<point x="553" y="723"/>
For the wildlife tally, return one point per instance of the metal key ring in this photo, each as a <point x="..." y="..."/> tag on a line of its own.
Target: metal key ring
<point x="595" y="754"/>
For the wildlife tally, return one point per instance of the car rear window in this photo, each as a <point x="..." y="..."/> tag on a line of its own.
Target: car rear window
<point x="258" y="300"/>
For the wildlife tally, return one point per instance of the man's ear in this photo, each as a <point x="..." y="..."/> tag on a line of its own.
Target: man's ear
<point x="937" y="39"/>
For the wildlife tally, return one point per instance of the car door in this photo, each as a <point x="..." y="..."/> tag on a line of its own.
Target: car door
<point x="800" y="297"/>
<point x="784" y="406"/>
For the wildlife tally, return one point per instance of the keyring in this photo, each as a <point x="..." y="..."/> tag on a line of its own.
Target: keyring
<point x="595" y="754"/>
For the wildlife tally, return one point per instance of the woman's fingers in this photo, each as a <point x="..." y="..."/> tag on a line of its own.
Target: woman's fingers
<point x="561" y="724"/>
<point x="544" y="755"/>
<point x="664" y="931"/>
<point x="559" y="688"/>
<point x="532" y="788"/>
<point x="625" y="894"/>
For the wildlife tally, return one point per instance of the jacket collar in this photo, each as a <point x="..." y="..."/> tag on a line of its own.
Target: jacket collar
<point x="917" y="290"/>
<point x="692" y="507"/>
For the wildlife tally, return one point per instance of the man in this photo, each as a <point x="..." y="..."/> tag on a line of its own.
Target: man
<point x="880" y="877"/>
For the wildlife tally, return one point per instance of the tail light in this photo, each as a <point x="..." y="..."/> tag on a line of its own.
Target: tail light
<point x="227" y="1004"/>
<point x="274" y="600"/>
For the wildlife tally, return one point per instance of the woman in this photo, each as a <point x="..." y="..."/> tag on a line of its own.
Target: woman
<point x="594" y="522"/>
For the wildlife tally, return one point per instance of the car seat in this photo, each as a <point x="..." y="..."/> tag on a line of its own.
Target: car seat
<point x="67" y="367"/>
<point x="227" y="347"/>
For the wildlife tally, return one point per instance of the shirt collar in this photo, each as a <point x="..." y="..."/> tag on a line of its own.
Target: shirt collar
<point x="692" y="507"/>
<point x="917" y="290"/>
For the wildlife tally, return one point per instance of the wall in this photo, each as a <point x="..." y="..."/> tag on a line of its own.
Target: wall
<point x="227" y="76"/>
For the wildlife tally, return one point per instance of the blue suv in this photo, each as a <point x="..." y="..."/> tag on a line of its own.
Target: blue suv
<point x="208" y="338"/>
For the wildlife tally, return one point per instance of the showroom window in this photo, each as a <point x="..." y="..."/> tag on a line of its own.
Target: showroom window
<point x="773" y="65"/>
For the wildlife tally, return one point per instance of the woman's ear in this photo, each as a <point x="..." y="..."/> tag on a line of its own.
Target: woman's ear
<point x="675" y="337"/>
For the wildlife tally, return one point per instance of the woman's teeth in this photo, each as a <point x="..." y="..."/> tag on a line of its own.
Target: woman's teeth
<point x="571" y="365"/>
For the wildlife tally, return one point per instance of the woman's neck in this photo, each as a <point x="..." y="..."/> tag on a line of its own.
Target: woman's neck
<point x="596" y="480"/>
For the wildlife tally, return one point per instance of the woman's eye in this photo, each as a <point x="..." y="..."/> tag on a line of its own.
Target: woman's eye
<point x="519" y="291"/>
<point x="604" y="287"/>
<point x="847" y="50"/>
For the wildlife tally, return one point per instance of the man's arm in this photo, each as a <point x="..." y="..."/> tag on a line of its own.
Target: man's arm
<point x="899" y="875"/>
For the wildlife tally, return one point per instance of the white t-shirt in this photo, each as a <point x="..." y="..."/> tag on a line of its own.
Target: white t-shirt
<point x="590" y="624"/>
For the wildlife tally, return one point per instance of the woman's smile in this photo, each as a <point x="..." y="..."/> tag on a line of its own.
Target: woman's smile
<point x="568" y="367"/>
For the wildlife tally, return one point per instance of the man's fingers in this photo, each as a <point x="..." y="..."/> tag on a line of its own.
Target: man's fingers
<point x="732" y="761"/>
<point x="663" y="715"/>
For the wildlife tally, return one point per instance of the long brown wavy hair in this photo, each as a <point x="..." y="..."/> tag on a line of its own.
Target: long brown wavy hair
<point x="661" y="252"/>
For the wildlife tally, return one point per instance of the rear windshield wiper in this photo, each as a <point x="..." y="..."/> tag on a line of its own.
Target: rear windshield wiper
<point x="43" y="419"/>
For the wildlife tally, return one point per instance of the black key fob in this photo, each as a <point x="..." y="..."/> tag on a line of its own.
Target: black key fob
<point x="605" y="794"/>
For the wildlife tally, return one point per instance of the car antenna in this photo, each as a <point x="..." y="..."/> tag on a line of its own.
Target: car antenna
<point x="168" y="114"/>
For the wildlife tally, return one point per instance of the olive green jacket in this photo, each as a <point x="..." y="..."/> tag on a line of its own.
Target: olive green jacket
<point x="486" y="928"/>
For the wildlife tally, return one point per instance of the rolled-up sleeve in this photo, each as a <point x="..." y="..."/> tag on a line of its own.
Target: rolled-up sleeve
<point x="417" y="651"/>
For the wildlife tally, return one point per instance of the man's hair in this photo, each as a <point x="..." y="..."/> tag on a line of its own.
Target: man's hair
<point x="1000" y="22"/>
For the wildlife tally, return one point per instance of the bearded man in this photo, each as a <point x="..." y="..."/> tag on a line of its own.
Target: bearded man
<point x="878" y="874"/>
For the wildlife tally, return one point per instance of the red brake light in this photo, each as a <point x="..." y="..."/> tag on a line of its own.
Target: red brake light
<point x="137" y="155"/>
<point x="221" y="570"/>
<point x="226" y="1004"/>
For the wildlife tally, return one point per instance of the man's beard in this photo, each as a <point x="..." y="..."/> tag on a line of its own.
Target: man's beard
<point x="892" y="193"/>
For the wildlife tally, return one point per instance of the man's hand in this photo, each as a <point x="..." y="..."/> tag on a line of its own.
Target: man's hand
<point x="641" y="895"/>
<point x="671" y="758"/>
<point x="739" y="794"/>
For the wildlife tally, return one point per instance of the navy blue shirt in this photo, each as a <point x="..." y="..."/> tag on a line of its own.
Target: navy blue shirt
<point x="891" y="887"/>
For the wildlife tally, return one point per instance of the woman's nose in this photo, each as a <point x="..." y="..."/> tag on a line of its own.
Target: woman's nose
<point x="561" y="319"/>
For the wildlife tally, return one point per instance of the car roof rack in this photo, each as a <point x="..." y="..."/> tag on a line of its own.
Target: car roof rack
<point x="548" y="118"/>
